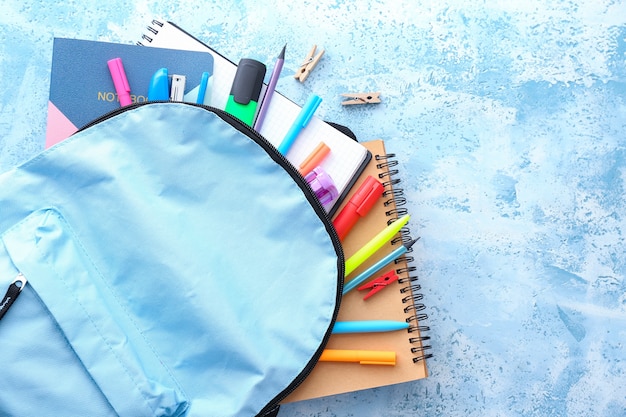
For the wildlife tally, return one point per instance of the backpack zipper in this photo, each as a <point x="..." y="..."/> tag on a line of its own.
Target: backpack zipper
<point x="319" y="208"/>
<point x="304" y="185"/>
<point x="14" y="290"/>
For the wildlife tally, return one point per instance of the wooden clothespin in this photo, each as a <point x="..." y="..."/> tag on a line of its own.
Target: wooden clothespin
<point x="361" y="98"/>
<point x="309" y="63"/>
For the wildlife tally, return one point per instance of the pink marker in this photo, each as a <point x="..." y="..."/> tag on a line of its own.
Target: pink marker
<point x="120" y="81"/>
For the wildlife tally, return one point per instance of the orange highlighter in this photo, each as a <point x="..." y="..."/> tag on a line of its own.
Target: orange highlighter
<point x="358" y="205"/>
<point x="364" y="357"/>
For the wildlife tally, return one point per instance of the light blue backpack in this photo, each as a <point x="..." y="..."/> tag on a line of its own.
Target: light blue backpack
<point x="169" y="262"/>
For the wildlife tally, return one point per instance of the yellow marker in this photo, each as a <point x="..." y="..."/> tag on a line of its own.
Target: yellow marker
<point x="364" y="357"/>
<point x="376" y="243"/>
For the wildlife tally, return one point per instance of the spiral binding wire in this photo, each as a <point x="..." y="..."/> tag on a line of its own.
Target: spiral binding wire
<point x="394" y="199"/>
<point x="153" y="29"/>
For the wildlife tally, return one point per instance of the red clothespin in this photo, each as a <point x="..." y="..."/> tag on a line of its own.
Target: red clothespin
<point x="379" y="283"/>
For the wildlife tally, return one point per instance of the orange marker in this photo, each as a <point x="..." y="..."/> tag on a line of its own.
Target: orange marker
<point x="364" y="357"/>
<point x="314" y="159"/>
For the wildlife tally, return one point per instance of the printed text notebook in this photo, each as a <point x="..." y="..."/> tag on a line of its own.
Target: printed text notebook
<point x="81" y="88"/>
<point x="401" y="300"/>
<point x="347" y="157"/>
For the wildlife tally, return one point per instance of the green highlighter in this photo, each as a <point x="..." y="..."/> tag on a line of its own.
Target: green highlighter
<point x="246" y="90"/>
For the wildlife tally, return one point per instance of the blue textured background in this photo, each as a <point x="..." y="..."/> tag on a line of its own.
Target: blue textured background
<point x="509" y="121"/>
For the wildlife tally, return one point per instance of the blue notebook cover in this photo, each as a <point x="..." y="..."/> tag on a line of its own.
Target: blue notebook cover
<point x="81" y="87"/>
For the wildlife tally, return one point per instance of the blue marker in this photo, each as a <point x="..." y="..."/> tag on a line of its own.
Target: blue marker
<point x="369" y="326"/>
<point x="353" y="283"/>
<point x="159" y="89"/>
<point x="300" y="123"/>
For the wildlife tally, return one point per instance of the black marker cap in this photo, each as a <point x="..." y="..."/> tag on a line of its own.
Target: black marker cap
<point x="248" y="81"/>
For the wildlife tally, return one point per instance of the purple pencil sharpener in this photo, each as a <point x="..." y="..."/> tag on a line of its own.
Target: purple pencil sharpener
<point x="323" y="185"/>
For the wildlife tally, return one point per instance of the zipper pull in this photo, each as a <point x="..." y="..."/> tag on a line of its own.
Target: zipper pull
<point x="14" y="290"/>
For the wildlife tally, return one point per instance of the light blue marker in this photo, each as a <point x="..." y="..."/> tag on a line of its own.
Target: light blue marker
<point x="369" y="326"/>
<point x="305" y="115"/>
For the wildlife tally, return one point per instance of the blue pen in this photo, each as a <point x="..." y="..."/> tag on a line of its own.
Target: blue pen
<point x="300" y="123"/>
<point x="353" y="283"/>
<point x="369" y="326"/>
<point x="204" y="82"/>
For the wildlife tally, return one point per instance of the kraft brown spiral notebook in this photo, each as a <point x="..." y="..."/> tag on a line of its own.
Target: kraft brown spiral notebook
<point x="400" y="300"/>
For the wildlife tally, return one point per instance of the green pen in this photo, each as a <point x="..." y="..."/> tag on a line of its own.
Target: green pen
<point x="376" y="243"/>
<point x="246" y="90"/>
